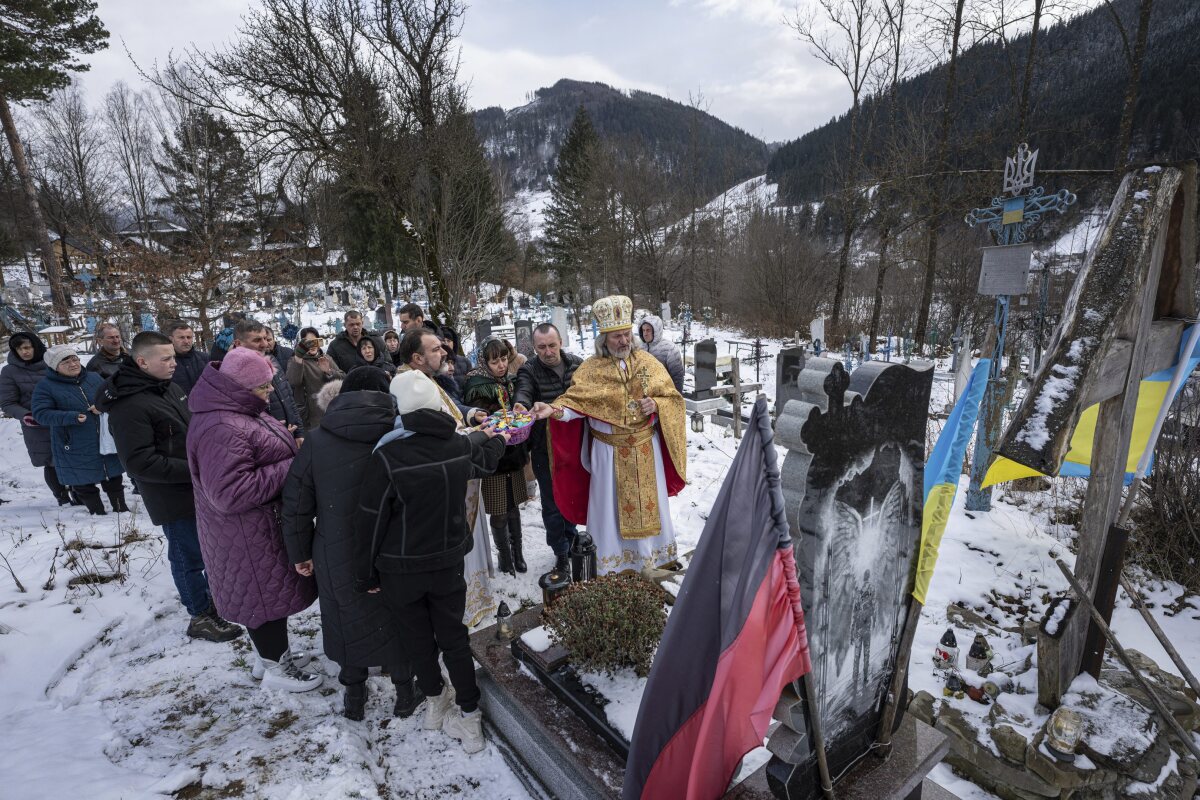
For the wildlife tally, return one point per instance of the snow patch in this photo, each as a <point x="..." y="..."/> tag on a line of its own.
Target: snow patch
<point x="537" y="639"/>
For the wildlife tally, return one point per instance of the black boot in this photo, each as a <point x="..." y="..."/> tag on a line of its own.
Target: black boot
<point x="514" y="537"/>
<point x="90" y="496"/>
<point x="117" y="501"/>
<point x="562" y="563"/>
<point x="355" y="698"/>
<point x="64" y="498"/>
<point x="499" y="524"/>
<point x="408" y="697"/>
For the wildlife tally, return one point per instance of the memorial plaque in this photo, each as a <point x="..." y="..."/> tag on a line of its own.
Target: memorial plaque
<point x="1005" y="270"/>
<point x="483" y="329"/>
<point x="706" y="368"/>
<point x="523" y="333"/>
<point x="560" y="319"/>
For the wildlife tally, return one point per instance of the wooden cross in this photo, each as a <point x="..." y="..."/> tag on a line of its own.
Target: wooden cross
<point x="734" y="390"/>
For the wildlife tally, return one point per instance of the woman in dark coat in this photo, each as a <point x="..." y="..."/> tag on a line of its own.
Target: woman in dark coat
<point x="65" y="402"/>
<point x="373" y="357"/>
<point x="323" y="484"/>
<point x="24" y="369"/>
<point x="239" y="457"/>
<point x="391" y="341"/>
<point x="490" y="387"/>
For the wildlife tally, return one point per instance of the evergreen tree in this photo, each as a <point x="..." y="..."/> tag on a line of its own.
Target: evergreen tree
<point x="40" y="41"/>
<point x="573" y="213"/>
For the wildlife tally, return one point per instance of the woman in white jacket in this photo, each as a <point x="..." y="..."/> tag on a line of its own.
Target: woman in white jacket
<point x="650" y="332"/>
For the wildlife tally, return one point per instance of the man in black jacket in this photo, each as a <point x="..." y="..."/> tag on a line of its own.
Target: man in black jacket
<point x="148" y="416"/>
<point x="189" y="361"/>
<point x="543" y="379"/>
<point x="413" y="534"/>
<point x="110" y="353"/>
<point x="343" y="348"/>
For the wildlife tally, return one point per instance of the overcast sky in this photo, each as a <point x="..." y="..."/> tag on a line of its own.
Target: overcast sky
<point x="737" y="54"/>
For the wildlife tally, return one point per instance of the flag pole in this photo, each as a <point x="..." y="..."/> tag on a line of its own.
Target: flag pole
<point x="809" y="690"/>
<point x="888" y="718"/>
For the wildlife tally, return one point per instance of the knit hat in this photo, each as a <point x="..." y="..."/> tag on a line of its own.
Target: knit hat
<point x="414" y="391"/>
<point x="55" y="355"/>
<point x="365" y="379"/>
<point x="248" y="368"/>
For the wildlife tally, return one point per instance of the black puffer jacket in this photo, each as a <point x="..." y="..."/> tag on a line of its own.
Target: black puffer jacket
<point x="149" y="421"/>
<point x="17" y="380"/>
<point x="412" y="512"/>
<point x="106" y="367"/>
<point x="320" y="499"/>
<point x="188" y="368"/>
<point x="537" y="383"/>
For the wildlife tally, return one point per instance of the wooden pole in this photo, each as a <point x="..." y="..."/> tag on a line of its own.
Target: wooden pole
<point x="735" y="372"/>
<point x="1155" y="700"/>
<point x="888" y="718"/>
<point x="814" y="720"/>
<point x="1140" y="605"/>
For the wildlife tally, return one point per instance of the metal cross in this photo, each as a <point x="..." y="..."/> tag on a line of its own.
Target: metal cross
<point x="1010" y="220"/>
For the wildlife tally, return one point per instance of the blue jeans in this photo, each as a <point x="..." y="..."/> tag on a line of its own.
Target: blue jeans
<point x="559" y="533"/>
<point x="187" y="565"/>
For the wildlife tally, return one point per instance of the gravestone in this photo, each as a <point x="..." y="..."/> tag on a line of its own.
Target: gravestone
<point x="497" y="320"/>
<point x="852" y="482"/>
<point x="509" y="301"/>
<point x="483" y="329"/>
<point x="788" y="366"/>
<point x="344" y="297"/>
<point x="523" y="333"/>
<point x="706" y="368"/>
<point x="561" y="320"/>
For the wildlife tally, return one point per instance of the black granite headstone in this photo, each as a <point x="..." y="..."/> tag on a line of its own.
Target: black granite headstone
<point x="483" y="329"/>
<point x="788" y="366"/>
<point x="523" y="333"/>
<point x="852" y="483"/>
<point x="706" y="368"/>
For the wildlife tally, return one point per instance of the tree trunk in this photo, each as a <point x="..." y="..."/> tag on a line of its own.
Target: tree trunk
<point x="1125" y="136"/>
<point x="931" y="246"/>
<point x="843" y="266"/>
<point x="885" y="239"/>
<point x="1027" y="83"/>
<point x="58" y="294"/>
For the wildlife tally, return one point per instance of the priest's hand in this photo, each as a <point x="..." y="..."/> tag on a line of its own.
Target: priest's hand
<point x="647" y="405"/>
<point x="541" y="411"/>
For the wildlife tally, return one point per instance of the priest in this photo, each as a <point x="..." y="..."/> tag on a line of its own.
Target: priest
<point x="619" y="445"/>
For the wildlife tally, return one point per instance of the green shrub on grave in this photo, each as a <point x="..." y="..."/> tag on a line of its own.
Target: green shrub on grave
<point x="609" y="623"/>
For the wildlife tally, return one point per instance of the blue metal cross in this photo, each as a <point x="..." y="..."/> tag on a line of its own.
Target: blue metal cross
<point x="1010" y="220"/>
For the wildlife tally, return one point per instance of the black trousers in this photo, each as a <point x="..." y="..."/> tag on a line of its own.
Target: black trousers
<point x="51" y="478"/>
<point x="560" y="534"/>
<point x="428" y="610"/>
<point x="270" y="639"/>
<point x="349" y="674"/>
<point x="110" y="486"/>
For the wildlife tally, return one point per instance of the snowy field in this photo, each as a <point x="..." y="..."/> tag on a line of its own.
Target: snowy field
<point x="102" y="693"/>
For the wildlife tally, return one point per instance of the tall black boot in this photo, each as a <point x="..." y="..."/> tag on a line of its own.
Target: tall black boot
<point x="355" y="701"/>
<point x="514" y="536"/>
<point x="90" y="495"/>
<point x="117" y="501"/>
<point x="499" y="524"/>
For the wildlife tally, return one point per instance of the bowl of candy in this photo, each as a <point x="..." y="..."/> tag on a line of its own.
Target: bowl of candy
<point x="516" y="424"/>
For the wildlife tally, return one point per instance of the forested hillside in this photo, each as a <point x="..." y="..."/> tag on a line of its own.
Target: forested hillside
<point x="1076" y="98"/>
<point x="694" y="147"/>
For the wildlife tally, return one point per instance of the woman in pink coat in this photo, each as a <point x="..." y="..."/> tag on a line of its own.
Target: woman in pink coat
<point x="239" y="457"/>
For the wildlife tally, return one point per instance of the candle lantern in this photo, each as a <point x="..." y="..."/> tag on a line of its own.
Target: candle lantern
<point x="504" y="628"/>
<point x="583" y="557"/>
<point x="553" y="583"/>
<point x="697" y="422"/>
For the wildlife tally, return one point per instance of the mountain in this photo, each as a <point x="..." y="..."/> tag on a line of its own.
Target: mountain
<point x="1078" y="91"/>
<point x="692" y="145"/>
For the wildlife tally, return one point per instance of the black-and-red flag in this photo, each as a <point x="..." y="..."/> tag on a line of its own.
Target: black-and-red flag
<point x="734" y="640"/>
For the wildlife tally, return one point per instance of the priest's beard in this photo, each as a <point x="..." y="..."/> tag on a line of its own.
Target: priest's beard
<point x="602" y="349"/>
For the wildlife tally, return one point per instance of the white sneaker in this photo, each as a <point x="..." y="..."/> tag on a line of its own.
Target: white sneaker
<point x="285" y="675"/>
<point x="300" y="659"/>
<point x="467" y="728"/>
<point x="438" y="708"/>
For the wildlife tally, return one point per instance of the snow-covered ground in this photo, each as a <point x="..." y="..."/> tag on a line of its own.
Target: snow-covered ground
<point x="102" y="693"/>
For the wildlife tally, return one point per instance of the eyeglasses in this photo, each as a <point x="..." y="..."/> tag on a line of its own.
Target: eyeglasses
<point x="69" y="359"/>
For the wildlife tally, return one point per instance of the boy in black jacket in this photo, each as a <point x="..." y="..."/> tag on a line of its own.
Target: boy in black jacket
<point x="413" y="536"/>
<point x="148" y="416"/>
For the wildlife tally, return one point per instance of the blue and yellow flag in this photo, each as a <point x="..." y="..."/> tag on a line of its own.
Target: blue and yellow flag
<point x="1152" y="396"/>
<point x="942" y="471"/>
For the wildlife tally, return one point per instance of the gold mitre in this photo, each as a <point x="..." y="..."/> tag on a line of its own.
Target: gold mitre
<point x="613" y="313"/>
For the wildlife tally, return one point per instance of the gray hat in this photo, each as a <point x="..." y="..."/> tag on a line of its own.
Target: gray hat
<point x="55" y="355"/>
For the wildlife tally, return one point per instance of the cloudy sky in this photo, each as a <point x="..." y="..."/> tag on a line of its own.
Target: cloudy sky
<point x="736" y="54"/>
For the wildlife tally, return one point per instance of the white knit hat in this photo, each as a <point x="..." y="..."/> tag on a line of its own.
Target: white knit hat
<point x="57" y="354"/>
<point x="413" y="391"/>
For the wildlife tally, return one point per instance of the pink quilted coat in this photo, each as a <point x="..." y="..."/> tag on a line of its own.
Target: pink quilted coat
<point x="239" y="457"/>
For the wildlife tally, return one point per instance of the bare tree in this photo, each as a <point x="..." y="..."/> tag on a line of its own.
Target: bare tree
<point x="129" y="128"/>
<point x="848" y="35"/>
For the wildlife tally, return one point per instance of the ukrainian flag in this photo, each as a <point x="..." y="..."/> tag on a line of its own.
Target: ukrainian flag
<point x="942" y="472"/>
<point x="1152" y="398"/>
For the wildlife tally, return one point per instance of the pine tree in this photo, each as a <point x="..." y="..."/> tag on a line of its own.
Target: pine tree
<point x="40" y="41"/>
<point x="572" y="215"/>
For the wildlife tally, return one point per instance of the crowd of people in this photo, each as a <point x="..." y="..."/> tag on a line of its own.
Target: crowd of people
<point x="367" y="471"/>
